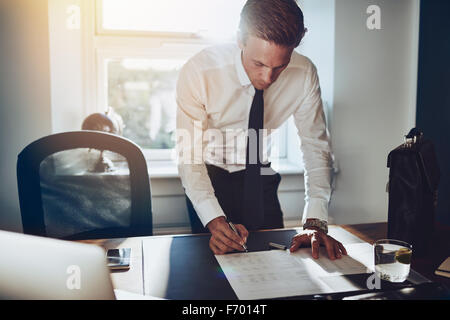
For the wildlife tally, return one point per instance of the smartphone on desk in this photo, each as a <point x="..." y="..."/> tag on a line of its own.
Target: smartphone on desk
<point x="118" y="259"/>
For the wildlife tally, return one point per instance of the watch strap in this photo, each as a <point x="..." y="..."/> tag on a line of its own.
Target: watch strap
<point x="322" y="225"/>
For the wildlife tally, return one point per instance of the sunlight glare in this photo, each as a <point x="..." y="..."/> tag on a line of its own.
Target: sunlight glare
<point x="217" y="19"/>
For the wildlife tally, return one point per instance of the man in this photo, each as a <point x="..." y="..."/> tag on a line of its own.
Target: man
<point x="256" y="85"/>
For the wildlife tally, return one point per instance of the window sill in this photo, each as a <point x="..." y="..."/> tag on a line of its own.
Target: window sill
<point x="162" y="169"/>
<point x="168" y="168"/>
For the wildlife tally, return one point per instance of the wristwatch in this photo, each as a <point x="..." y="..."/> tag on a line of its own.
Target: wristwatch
<point x="322" y="225"/>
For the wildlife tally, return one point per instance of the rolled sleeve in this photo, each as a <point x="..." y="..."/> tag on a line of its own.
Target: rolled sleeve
<point x="208" y="210"/>
<point x="315" y="209"/>
<point x="191" y="123"/>
<point x="316" y="149"/>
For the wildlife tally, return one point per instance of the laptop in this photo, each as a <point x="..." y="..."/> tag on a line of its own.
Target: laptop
<point x="42" y="268"/>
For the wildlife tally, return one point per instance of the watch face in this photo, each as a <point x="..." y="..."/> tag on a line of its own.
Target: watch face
<point x="322" y="225"/>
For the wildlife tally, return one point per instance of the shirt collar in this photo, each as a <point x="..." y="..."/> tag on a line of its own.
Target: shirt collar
<point x="242" y="75"/>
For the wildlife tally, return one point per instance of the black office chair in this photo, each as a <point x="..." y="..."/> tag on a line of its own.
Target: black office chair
<point x="67" y="192"/>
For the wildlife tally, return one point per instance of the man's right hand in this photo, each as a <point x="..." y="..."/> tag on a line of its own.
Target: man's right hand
<point x="223" y="238"/>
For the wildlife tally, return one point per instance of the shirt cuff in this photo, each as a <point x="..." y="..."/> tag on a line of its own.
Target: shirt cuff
<point x="315" y="209"/>
<point x="208" y="210"/>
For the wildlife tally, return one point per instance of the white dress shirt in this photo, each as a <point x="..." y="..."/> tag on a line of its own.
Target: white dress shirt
<point x="214" y="95"/>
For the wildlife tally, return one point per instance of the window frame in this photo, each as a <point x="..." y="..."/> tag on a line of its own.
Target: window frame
<point x="101" y="45"/>
<point x="133" y="33"/>
<point x="110" y="51"/>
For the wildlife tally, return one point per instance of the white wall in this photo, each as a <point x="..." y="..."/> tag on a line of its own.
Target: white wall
<point x="318" y="43"/>
<point x="25" y="113"/>
<point x="65" y="65"/>
<point x="374" y="102"/>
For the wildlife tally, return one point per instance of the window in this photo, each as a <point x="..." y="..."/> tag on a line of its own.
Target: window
<point x="213" y="19"/>
<point x="141" y="91"/>
<point x="139" y="47"/>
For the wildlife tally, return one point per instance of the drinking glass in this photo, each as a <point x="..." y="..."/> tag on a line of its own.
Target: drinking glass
<point x="392" y="259"/>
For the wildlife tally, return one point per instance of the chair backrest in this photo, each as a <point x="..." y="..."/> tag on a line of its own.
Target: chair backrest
<point x="84" y="185"/>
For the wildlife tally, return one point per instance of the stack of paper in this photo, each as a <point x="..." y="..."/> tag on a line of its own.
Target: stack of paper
<point x="444" y="269"/>
<point x="276" y="273"/>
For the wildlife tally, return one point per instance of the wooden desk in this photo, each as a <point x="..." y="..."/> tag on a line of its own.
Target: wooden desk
<point x="132" y="280"/>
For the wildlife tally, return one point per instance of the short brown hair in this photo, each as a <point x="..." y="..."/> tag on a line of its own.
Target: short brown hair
<point x="278" y="21"/>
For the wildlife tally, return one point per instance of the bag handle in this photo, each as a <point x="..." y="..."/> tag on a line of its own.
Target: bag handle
<point x="413" y="137"/>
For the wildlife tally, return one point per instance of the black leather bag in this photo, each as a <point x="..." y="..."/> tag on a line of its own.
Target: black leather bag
<point x="413" y="186"/>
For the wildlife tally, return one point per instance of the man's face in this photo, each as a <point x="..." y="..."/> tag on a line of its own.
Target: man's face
<point x="264" y="61"/>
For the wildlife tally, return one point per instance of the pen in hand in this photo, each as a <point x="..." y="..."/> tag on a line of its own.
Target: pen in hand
<point x="237" y="233"/>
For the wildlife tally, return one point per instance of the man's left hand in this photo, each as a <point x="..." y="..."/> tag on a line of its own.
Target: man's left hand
<point x="314" y="237"/>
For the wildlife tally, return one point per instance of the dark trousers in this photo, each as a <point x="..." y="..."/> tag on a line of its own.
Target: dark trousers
<point x="229" y="190"/>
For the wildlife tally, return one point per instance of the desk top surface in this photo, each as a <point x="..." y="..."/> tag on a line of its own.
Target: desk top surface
<point x="200" y="272"/>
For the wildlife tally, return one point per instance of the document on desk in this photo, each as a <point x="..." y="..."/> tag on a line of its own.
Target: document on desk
<point x="277" y="273"/>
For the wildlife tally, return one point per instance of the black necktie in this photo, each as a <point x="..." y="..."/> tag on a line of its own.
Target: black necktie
<point x="253" y="193"/>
